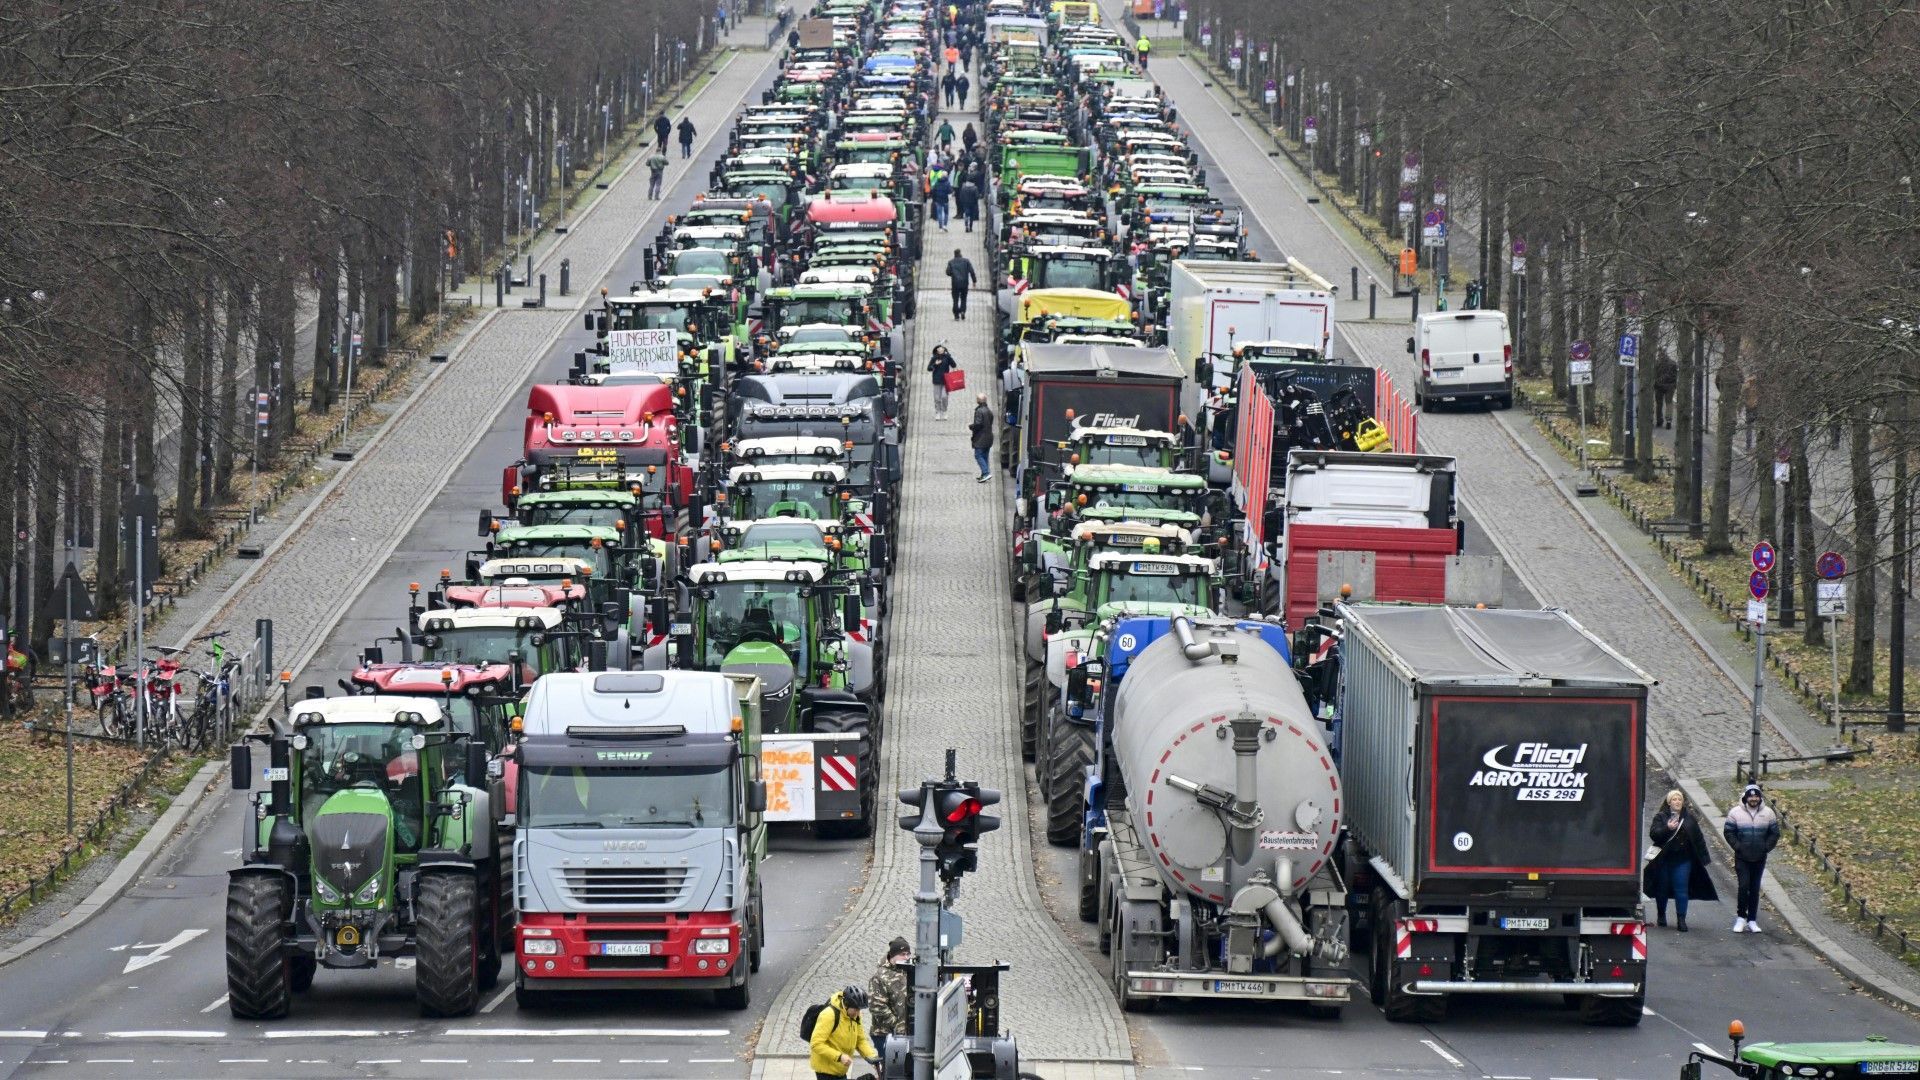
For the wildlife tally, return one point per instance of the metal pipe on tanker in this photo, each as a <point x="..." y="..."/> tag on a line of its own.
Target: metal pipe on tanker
<point x="1281" y="916"/>
<point x="1189" y="648"/>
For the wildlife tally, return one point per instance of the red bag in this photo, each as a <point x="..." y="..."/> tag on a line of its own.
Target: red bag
<point x="956" y="380"/>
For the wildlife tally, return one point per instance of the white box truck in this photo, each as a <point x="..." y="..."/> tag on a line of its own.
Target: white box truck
<point x="1217" y="305"/>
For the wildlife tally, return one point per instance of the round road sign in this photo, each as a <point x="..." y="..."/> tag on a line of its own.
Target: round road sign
<point x="1580" y="350"/>
<point x="1763" y="556"/>
<point x="1757" y="585"/>
<point x="1830" y="565"/>
<point x="1432" y="219"/>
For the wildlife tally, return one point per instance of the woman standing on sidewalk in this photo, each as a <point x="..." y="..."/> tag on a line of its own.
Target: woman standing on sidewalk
<point x="1678" y="869"/>
<point x="941" y="363"/>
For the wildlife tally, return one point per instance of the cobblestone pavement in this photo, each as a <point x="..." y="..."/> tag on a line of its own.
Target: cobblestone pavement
<point x="329" y="548"/>
<point x="952" y="685"/>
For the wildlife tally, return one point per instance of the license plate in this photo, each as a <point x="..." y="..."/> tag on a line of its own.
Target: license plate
<point x="626" y="948"/>
<point x="1233" y="986"/>
<point x="1526" y="924"/>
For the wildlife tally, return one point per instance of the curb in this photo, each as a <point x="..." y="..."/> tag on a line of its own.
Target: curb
<point x="1841" y="957"/>
<point x="158" y="835"/>
<point x="192" y="800"/>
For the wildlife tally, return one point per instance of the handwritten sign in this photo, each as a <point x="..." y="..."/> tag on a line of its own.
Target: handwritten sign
<point x="788" y="770"/>
<point x="643" y="350"/>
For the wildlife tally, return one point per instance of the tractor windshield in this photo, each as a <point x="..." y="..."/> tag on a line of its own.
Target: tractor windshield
<point x="583" y="550"/>
<point x="830" y="312"/>
<point x="1070" y="274"/>
<point x="836" y="334"/>
<point x="1142" y="498"/>
<point x="744" y="611"/>
<point x="479" y="645"/>
<point x="778" y="532"/>
<point x="1122" y="450"/>
<point x="1148" y="588"/>
<point x="576" y="797"/>
<point x="379" y="757"/>
<point x="557" y="513"/>
<point x="786" y="498"/>
<point x="700" y="261"/>
<point x="648" y="317"/>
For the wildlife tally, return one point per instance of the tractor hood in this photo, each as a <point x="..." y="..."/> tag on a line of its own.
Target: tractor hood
<point x="351" y="837"/>
<point x="775" y="670"/>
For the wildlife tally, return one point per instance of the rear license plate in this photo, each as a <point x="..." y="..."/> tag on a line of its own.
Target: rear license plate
<point x="626" y="948"/>
<point x="1232" y="986"/>
<point x="1526" y="924"/>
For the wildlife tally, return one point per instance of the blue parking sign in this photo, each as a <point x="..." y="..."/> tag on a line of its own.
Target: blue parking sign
<point x="1629" y="348"/>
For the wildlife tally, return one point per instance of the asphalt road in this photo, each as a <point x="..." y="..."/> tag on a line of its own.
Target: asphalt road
<point x="140" y="990"/>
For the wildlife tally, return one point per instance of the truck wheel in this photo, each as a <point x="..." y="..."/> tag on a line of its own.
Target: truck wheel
<point x="759" y="917"/>
<point x="446" y="945"/>
<point x="735" y="998"/>
<point x="1066" y="786"/>
<point x="1613" y="1012"/>
<point x="1129" y="1001"/>
<point x="525" y="997"/>
<point x="302" y="969"/>
<point x="1089" y="886"/>
<point x="259" y="971"/>
<point x="1036" y="677"/>
<point x="1016" y="583"/>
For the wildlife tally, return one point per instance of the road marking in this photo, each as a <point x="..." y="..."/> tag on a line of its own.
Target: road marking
<point x="579" y="1033"/>
<point x="509" y="1061"/>
<point x="643" y="1061"/>
<point x="1705" y="1049"/>
<point x="109" y="1061"/>
<point x="160" y="951"/>
<point x="443" y="1061"/>
<point x="378" y="1061"/>
<point x="1648" y="1012"/>
<point x="169" y="1034"/>
<point x="1442" y="1051"/>
<point x="23" y="1034"/>
<point x="334" y="1033"/>
<point x="1509" y="1078"/>
<point x="497" y="999"/>
<point x="217" y="1002"/>
<point x="243" y="1061"/>
<point x="710" y="1061"/>
<point x="576" y="1061"/>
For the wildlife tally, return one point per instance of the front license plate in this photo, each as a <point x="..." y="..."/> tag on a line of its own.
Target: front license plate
<point x="1526" y="924"/>
<point x="1232" y="986"/>
<point x="626" y="948"/>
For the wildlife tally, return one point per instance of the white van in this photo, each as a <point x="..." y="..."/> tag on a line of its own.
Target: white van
<point x="1464" y="356"/>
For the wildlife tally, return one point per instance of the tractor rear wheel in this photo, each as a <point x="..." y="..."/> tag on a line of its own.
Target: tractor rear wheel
<point x="259" y="971"/>
<point x="1073" y="751"/>
<point x="1032" y="694"/>
<point x="446" y="970"/>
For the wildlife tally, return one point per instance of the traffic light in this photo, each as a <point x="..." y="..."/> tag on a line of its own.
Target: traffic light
<point x="915" y="799"/>
<point x="962" y="818"/>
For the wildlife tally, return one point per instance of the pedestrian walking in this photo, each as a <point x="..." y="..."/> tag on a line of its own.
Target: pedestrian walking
<point x="944" y="136"/>
<point x="1013" y="382"/>
<point x="941" y="363"/>
<point x="657" y="163"/>
<point x="1678" y="869"/>
<point x="662" y="127"/>
<point x="948" y="83"/>
<point x="967" y="199"/>
<point x="952" y="56"/>
<point x="1666" y="378"/>
<point x="793" y="39"/>
<point x="839" y="1034"/>
<point x="1140" y="47"/>
<point x="1752" y="829"/>
<point x="982" y="431"/>
<point x="887" y="994"/>
<point x="966" y="54"/>
<point x="961" y="85"/>
<point x="941" y="192"/>
<point x="686" y="137"/>
<point x="968" y="139"/>
<point x="960" y="277"/>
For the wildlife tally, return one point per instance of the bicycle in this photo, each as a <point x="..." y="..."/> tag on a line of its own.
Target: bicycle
<point x="213" y="695"/>
<point x="112" y="700"/>
<point x="165" y="724"/>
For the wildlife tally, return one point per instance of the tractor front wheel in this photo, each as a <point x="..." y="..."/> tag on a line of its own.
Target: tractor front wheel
<point x="446" y="970"/>
<point x="259" y="971"/>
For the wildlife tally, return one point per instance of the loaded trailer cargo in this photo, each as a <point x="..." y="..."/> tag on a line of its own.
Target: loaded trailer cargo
<point x="1218" y="304"/>
<point x="1492" y="765"/>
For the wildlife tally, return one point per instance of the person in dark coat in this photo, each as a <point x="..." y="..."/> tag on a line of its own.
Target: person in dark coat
<point x="967" y="198"/>
<point x="1752" y="829"/>
<point x="662" y="127"/>
<point x="1678" y="871"/>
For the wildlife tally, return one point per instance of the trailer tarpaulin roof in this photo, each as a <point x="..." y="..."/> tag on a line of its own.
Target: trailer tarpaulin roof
<point x="1492" y="646"/>
<point x="1101" y="360"/>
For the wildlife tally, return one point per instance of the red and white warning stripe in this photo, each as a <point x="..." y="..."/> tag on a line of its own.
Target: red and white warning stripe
<point x="1123" y="292"/>
<point x="1637" y="931"/>
<point x="1404" y="929"/>
<point x="838" y="773"/>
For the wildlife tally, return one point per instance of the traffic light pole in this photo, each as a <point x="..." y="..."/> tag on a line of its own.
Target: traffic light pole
<point x="926" y="950"/>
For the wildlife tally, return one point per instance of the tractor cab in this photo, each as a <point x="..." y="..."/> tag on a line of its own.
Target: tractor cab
<point x="532" y="637"/>
<point x="812" y="491"/>
<point x="479" y="700"/>
<point x="1126" y="493"/>
<point x="601" y="436"/>
<point x="1121" y="446"/>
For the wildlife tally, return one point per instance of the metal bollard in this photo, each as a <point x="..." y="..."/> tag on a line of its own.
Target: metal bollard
<point x="566" y="275"/>
<point x="500" y="286"/>
<point x="529" y="278"/>
<point x="543" y="290"/>
<point x="1373" y="299"/>
<point x="1355" y="292"/>
<point x="1416" y="301"/>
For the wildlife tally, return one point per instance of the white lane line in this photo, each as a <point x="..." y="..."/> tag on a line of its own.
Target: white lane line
<point x="109" y="1061"/>
<point x="243" y="1061"/>
<point x="1499" y="1077"/>
<point x="443" y="1061"/>
<point x="217" y="1002"/>
<point x="643" y="1061"/>
<point x="48" y="1061"/>
<point x="166" y="1035"/>
<point x="1648" y="1012"/>
<point x="334" y="1033"/>
<point x="497" y="999"/>
<point x="509" y="1061"/>
<point x="576" y="1061"/>
<point x="1442" y="1051"/>
<point x="582" y="1033"/>
<point x="23" y="1034"/>
<point x="710" y="1061"/>
<point x="378" y="1061"/>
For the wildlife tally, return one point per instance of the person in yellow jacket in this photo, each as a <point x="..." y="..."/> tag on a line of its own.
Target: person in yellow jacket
<point x="1141" y="46"/>
<point x="839" y="1034"/>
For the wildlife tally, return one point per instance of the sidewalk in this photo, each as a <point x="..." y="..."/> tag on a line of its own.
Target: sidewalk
<point x="953" y="685"/>
<point x="1569" y="552"/>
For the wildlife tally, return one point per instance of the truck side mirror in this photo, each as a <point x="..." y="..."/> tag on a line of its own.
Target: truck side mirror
<point x="476" y="760"/>
<point x="589" y="320"/>
<point x="373" y="654"/>
<point x="240" y="764"/>
<point x="850" y="610"/>
<point x="473" y="569"/>
<point x="756" y="797"/>
<point x="597" y="654"/>
<point x="1409" y="346"/>
<point x="486" y="523"/>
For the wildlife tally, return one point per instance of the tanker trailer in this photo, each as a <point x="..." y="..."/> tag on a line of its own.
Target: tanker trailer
<point x="1215" y="876"/>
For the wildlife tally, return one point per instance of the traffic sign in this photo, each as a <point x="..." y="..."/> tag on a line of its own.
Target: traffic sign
<point x="1830" y="565"/>
<point x="1830" y="599"/>
<point x="1763" y="556"/>
<point x="1757" y="612"/>
<point x="1629" y="348"/>
<point x="1580" y="373"/>
<point x="1757" y="584"/>
<point x="1432" y="218"/>
<point x="1580" y="351"/>
<point x="1519" y="247"/>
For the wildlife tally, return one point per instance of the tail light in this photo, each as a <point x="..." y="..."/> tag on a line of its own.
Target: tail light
<point x="1426" y="362"/>
<point x="1506" y="359"/>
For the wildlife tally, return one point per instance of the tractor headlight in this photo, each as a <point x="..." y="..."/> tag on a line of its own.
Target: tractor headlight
<point x="539" y="947"/>
<point x="369" y="892"/>
<point x="326" y="891"/>
<point x="712" y="946"/>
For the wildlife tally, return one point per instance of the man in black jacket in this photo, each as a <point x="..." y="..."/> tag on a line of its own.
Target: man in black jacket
<point x="982" y="431"/>
<point x="961" y="276"/>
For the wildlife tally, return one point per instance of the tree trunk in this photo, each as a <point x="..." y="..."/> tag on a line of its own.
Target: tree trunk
<point x="186" y="518"/>
<point x="46" y="538"/>
<point x="1862" y="602"/>
<point x="1536" y="298"/>
<point x="1801" y="488"/>
<point x="114" y="472"/>
<point x="1726" y="418"/>
<point x="1683" y="463"/>
<point x="226" y="424"/>
<point x="1643" y="401"/>
<point x="326" y="330"/>
<point x="203" y="391"/>
<point x="1557" y="335"/>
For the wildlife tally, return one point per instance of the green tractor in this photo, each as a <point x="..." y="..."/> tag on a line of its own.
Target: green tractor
<point x="374" y="839"/>
<point x="785" y="622"/>
<point x="1104" y="493"/>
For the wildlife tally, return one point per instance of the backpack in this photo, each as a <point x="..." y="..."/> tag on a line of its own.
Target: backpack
<point x="812" y="1016"/>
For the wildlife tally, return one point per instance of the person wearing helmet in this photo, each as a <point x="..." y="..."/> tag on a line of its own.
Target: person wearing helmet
<point x="839" y="1034"/>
